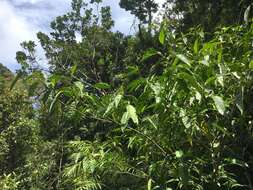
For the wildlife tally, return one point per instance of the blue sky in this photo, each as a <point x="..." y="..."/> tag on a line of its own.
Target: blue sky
<point x="22" y="19"/>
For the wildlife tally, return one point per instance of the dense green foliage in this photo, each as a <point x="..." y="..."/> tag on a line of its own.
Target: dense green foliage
<point x="158" y="110"/>
<point x="207" y="13"/>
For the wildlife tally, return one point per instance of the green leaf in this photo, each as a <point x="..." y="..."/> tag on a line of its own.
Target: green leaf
<point x="80" y="86"/>
<point x="149" y="119"/>
<point x="191" y="80"/>
<point x="102" y="85"/>
<point x="150" y="53"/>
<point x="183" y="59"/>
<point x="73" y="69"/>
<point x="179" y="153"/>
<point x="246" y="14"/>
<point x="125" y="118"/>
<point x="54" y="101"/>
<point x="251" y="65"/>
<point x="150" y="184"/>
<point x="219" y="104"/>
<point x="157" y="90"/>
<point x="196" y="46"/>
<point x="185" y="119"/>
<point x="162" y="36"/>
<point x="116" y="101"/>
<point x="132" y="113"/>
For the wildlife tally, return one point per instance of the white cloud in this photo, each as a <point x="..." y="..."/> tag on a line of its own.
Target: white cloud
<point x="13" y="30"/>
<point x="22" y="19"/>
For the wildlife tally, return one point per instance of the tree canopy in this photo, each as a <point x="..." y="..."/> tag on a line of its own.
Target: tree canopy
<point x="207" y="13"/>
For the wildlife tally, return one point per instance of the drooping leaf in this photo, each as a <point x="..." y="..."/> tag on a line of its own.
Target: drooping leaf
<point x="129" y="114"/>
<point x="125" y="118"/>
<point x="150" y="184"/>
<point x="132" y="113"/>
<point x="247" y="14"/>
<point x="54" y="101"/>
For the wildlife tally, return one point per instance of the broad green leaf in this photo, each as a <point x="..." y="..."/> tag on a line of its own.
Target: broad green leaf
<point x="132" y="114"/>
<point x="183" y="59"/>
<point x="102" y="85"/>
<point x="219" y="104"/>
<point x="162" y="36"/>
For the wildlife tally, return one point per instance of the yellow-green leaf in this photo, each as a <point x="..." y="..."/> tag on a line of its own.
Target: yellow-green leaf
<point x="132" y="114"/>
<point x="162" y="36"/>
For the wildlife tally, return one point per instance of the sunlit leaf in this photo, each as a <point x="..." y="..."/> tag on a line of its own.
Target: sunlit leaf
<point x="184" y="59"/>
<point x="219" y="104"/>
<point x="179" y="153"/>
<point x="132" y="114"/>
<point x="150" y="184"/>
<point x="162" y="36"/>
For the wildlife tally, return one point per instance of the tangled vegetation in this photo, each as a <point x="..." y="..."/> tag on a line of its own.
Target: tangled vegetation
<point x="163" y="109"/>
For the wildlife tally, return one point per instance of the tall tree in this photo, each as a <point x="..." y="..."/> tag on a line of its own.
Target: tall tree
<point x="207" y="13"/>
<point x="142" y="9"/>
